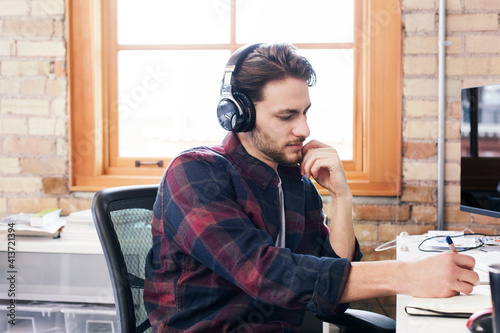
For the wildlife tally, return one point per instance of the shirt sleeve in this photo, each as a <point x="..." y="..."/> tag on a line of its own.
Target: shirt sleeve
<point x="331" y="252"/>
<point x="209" y="217"/>
<point x="315" y="239"/>
<point x="316" y="235"/>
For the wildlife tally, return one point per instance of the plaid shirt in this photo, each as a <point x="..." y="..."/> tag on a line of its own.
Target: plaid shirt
<point x="214" y="267"/>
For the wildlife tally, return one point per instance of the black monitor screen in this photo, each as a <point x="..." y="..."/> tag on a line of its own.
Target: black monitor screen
<point x="480" y="150"/>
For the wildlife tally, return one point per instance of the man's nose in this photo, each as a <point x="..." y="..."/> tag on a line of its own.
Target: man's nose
<point x="302" y="128"/>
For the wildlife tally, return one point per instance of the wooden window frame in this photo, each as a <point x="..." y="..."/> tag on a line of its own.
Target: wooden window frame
<point x="374" y="170"/>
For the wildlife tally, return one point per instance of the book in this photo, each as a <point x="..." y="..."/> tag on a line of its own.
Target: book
<point x="83" y="217"/>
<point x="20" y="223"/>
<point x="80" y="225"/>
<point x="460" y="306"/>
<point x="44" y="217"/>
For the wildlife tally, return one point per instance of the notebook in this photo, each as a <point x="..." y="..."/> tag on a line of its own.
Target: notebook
<point x="461" y="306"/>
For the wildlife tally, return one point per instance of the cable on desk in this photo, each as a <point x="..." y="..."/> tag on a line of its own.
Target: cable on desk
<point x="392" y="244"/>
<point x="462" y="249"/>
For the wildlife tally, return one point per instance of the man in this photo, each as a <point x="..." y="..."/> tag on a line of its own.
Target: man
<point x="239" y="238"/>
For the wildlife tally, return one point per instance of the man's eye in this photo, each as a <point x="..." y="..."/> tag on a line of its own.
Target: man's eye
<point x="286" y="117"/>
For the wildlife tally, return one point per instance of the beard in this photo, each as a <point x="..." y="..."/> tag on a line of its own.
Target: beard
<point x="273" y="149"/>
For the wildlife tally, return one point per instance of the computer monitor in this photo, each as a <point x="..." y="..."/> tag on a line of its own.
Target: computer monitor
<point x="480" y="150"/>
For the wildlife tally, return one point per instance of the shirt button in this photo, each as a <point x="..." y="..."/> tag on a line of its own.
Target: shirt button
<point x="264" y="184"/>
<point x="276" y="203"/>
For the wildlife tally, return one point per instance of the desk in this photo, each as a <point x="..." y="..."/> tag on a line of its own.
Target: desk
<point x="415" y="324"/>
<point x="67" y="278"/>
<point x="68" y="269"/>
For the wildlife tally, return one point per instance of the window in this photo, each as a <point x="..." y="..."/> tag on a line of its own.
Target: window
<point x="123" y="81"/>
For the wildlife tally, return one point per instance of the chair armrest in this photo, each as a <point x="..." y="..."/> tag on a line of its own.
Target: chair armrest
<point x="360" y="321"/>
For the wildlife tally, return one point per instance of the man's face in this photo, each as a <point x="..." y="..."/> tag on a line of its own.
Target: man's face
<point x="281" y="123"/>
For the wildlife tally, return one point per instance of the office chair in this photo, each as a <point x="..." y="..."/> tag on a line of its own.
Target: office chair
<point x="122" y="217"/>
<point x="361" y="321"/>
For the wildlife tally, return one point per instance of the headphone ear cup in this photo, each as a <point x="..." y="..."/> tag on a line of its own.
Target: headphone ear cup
<point x="227" y="113"/>
<point x="246" y="122"/>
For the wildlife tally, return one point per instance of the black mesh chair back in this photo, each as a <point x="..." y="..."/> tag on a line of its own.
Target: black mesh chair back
<point x="122" y="216"/>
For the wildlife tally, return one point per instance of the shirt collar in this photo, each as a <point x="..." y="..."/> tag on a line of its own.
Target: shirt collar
<point x="254" y="168"/>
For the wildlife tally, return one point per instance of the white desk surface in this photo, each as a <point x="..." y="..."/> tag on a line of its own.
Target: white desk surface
<point x="415" y="324"/>
<point x="75" y="239"/>
<point x="71" y="268"/>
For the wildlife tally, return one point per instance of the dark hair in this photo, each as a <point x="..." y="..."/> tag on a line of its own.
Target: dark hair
<point x="271" y="62"/>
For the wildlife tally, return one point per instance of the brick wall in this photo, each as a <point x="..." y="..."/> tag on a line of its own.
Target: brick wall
<point x="34" y="115"/>
<point x="472" y="58"/>
<point x="33" y="109"/>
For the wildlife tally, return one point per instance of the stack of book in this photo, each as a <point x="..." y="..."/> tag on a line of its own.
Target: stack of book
<point x="80" y="225"/>
<point x="46" y="223"/>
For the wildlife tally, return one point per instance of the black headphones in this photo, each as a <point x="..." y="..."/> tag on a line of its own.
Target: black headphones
<point x="235" y="110"/>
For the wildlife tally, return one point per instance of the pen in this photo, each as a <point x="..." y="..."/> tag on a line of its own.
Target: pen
<point x="450" y="243"/>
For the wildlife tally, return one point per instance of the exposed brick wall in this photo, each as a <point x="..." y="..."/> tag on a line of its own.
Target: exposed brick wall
<point x="34" y="160"/>
<point x="472" y="58"/>
<point x="34" y="113"/>
<point x="33" y="109"/>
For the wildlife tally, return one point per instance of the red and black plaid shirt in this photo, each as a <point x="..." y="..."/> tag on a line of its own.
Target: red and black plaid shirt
<point x="214" y="266"/>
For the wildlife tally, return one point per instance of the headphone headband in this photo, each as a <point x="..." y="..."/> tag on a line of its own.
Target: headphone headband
<point x="240" y="54"/>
